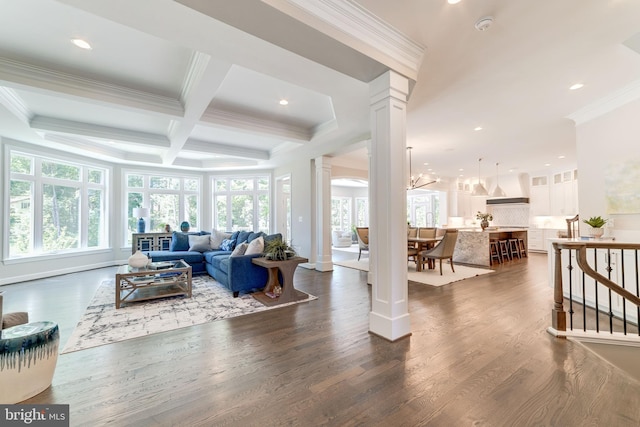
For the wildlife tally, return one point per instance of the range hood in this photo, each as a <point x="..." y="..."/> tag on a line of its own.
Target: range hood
<point x="508" y="201"/>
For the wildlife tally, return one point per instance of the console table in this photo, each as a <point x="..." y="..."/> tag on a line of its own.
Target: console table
<point x="286" y="268"/>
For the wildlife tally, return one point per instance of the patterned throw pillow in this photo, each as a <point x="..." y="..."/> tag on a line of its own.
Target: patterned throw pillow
<point x="240" y="249"/>
<point x="227" y="245"/>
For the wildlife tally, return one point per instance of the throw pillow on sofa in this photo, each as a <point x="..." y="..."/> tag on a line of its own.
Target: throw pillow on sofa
<point x="199" y="243"/>
<point x="242" y="237"/>
<point x="217" y="237"/>
<point x="180" y="241"/>
<point x="240" y="249"/>
<point x="255" y="247"/>
<point x="227" y="245"/>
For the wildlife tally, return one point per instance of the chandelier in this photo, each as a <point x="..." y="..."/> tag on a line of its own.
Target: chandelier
<point x="416" y="182"/>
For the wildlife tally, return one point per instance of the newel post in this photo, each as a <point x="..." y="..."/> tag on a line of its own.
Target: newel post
<point x="558" y="315"/>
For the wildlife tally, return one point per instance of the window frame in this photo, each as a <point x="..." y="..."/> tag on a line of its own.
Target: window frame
<point x="255" y="192"/>
<point x="147" y="193"/>
<point x="38" y="181"/>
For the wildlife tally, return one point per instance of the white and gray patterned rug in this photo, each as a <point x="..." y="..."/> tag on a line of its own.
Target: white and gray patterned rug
<point x="102" y="324"/>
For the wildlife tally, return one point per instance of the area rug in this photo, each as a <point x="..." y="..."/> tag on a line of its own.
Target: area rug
<point x="103" y="324"/>
<point x="427" y="277"/>
<point x="353" y="249"/>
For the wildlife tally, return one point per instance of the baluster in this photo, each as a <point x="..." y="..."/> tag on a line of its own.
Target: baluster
<point x="609" y="269"/>
<point x="558" y="316"/>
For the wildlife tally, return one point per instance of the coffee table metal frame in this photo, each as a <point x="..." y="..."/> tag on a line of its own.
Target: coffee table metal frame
<point x="133" y="284"/>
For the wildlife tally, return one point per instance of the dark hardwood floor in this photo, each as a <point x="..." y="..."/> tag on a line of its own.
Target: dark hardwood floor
<point x="479" y="355"/>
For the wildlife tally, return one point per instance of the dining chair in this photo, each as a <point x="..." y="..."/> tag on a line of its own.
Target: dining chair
<point x="427" y="232"/>
<point x="363" y="240"/>
<point x="442" y="250"/>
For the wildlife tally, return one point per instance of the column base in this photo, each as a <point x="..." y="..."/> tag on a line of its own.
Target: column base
<point x="390" y="329"/>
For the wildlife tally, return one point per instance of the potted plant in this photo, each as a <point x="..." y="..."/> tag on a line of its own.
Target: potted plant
<point x="278" y="250"/>
<point x="596" y="223"/>
<point x="484" y="219"/>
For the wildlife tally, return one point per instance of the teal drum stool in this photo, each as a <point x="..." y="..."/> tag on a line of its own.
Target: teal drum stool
<point x="28" y="356"/>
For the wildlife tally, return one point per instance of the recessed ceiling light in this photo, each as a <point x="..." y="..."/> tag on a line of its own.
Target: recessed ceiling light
<point x="561" y="157"/>
<point x="547" y="164"/>
<point x="284" y="102"/>
<point x="576" y="86"/>
<point x="453" y="1"/>
<point x="460" y="170"/>
<point x="426" y="164"/>
<point x="82" y="44"/>
<point x="478" y="128"/>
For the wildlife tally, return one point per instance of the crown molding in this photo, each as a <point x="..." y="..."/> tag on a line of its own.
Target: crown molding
<point x="259" y="126"/>
<point x="104" y="132"/>
<point x="224" y="149"/>
<point x="355" y="26"/>
<point x="14" y="103"/>
<point x="614" y="100"/>
<point x="24" y="74"/>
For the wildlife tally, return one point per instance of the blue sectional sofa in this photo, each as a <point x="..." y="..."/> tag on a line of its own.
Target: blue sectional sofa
<point x="236" y="272"/>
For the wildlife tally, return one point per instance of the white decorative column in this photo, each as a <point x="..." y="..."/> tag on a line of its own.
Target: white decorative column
<point x="323" y="214"/>
<point x="389" y="317"/>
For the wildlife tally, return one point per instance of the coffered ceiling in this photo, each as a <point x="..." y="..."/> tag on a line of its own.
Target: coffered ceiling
<point x="197" y="84"/>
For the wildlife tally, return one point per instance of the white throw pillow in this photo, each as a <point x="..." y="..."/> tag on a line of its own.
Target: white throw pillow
<point x="256" y="246"/>
<point x="199" y="243"/>
<point x="217" y="237"/>
<point x="240" y="249"/>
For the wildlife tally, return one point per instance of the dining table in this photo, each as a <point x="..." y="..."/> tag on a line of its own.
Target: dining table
<point x="423" y="243"/>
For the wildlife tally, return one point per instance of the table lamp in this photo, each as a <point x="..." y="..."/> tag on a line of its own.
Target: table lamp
<point x="141" y="213"/>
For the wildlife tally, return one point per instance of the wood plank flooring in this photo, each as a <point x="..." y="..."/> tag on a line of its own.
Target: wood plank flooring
<point x="479" y="355"/>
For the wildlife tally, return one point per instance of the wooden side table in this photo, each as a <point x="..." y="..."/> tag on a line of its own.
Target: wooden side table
<point x="286" y="268"/>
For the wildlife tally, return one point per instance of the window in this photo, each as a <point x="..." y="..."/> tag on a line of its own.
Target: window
<point x="423" y="210"/>
<point x="362" y="211"/>
<point x="55" y="206"/>
<point x="241" y="203"/>
<point x="170" y="199"/>
<point x="341" y="213"/>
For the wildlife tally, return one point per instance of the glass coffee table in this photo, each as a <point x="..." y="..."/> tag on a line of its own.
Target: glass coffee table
<point x="157" y="280"/>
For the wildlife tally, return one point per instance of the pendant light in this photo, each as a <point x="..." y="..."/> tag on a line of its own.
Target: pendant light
<point x="498" y="192"/>
<point x="478" y="189"/>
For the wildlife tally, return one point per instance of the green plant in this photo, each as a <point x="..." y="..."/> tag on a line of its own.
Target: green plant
<point x="279" y="250"/>
<point x="595" y="221"/>
<point x="484" y="216"/>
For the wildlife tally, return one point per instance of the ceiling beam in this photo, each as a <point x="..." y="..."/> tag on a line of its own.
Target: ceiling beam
<point x="21" y="75"/>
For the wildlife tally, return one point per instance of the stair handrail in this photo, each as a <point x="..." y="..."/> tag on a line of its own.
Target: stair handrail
<point x="559" y="322"/>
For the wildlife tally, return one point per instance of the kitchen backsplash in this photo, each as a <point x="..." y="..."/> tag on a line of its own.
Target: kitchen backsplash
<point x="514" y="215"/>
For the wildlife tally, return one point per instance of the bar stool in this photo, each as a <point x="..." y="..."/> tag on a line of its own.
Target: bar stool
<point x="521" y="248"/>
<point x="494" y="252"/>
<point x="514" y="248"/>
<point x="504" y="250"/>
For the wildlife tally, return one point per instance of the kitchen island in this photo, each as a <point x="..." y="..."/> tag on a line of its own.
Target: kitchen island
<point x="472" y="246"/>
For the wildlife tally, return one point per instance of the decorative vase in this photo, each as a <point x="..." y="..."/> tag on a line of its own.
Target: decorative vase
<point x="167" y="228"/>
<point x="484" y="224"/>
<point x="184" y="226"/>
<point x="596" y="233"/>
<point x="138" y="260"/>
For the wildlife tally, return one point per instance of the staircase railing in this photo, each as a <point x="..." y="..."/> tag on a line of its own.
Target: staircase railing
<point x="600" y="283"/>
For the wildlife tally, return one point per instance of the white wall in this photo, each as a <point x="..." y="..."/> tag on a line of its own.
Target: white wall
<point x="603" y="142"/>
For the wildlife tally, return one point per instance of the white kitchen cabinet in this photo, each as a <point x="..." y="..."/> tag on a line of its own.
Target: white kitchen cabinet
<point x="563" y="193"/>
<point x="539" y="198"/>
<point x="539" y="238"/>
<point x="535" y="240"/>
